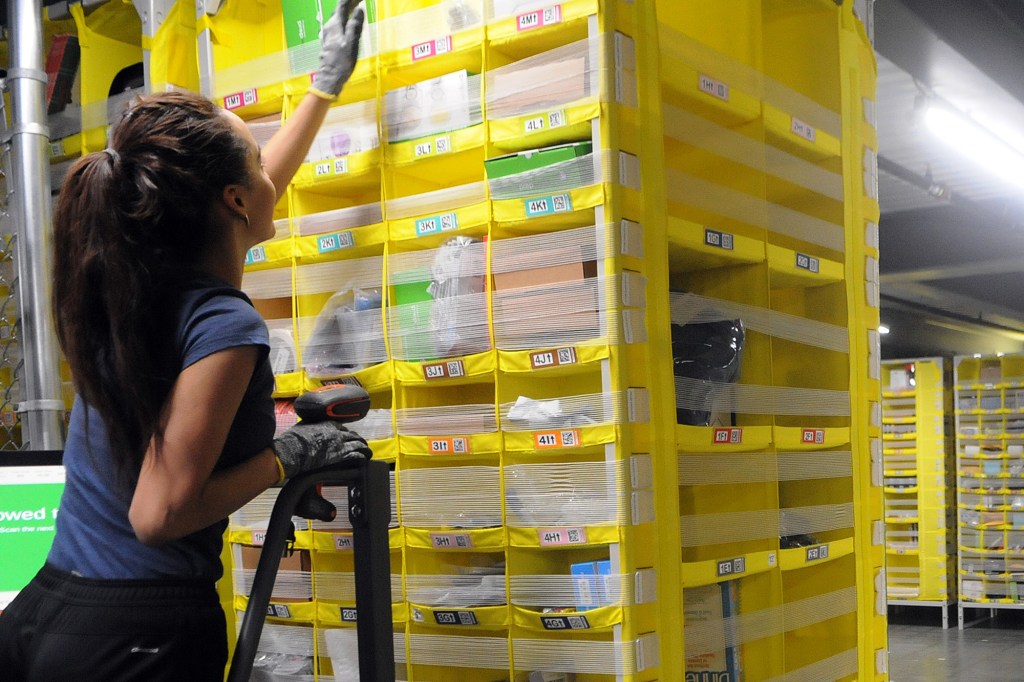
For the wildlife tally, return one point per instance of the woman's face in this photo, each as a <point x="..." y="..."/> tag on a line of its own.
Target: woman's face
<point x="260" y="196"/>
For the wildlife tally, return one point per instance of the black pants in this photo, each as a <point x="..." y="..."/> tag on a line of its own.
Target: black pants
<point x="65" y="628"/>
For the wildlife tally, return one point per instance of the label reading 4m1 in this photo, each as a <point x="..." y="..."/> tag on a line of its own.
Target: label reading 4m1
<point x="731" y="567"/>
<point x="803" y="130"/>
<point x="728" y="436"/>
<point x="435" y="224"/>
<point x="812" y="436"/>
<point x="444" y="370"/>
<point x="719" y="240"/>
<point x="455" y="618"/>
<point x="278" y="611"/>
<point x="539" y="18"/>
<point x="256" y="254"/>
<point x="557" y="537"/>
<point x="541" y="206"/>
<point x="565" y="622"/>
<point x="808" y="263"/>
<point x="451" y="541"/>
<point x="241" y="99"/>
<point x="710" y="86"/>
<point x="334" y="242"/>
<point x="343" y="542"/>
<point x="449" y="446"/>
<point x="569" y="438"/>
<point x="817" y="553"/>
<point x="432" y="48"/>
<point x="553" y="358"/>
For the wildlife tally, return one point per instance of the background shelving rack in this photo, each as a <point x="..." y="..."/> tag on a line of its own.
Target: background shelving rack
<point x="731" y="175"/>
<point x="989" y="404"/>
<point x="920" y="464"/>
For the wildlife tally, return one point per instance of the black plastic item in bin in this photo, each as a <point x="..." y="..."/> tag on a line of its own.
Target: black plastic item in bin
<point x="709" y="353"/>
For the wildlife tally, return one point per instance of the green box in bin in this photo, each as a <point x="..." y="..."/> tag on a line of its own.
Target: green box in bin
<point x="303" y="19"/>
<point x="534" y="159"/>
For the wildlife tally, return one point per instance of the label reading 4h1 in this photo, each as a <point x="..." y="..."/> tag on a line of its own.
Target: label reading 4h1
<point x="539" y="18"/>
<point x="435" y="224"/>
<point x="731" y="567"/>
<point x="432" y="48"/>
<point x="556" y="537"/>
<point x="719" y="240"/>
<point x="241" y="99"/>
<point x="256" y="254"/>
<point x="808" y="263"/>
<point x="541" y="206"/>
<point x="729" y="436"/>
<point x="334" y="242"/>
<point x="817" y="553"/>
<point x="444" y="370"/>
<point x="570" y="438"/>
<point x="553" y="358"/>
<point x="812" y="436"/>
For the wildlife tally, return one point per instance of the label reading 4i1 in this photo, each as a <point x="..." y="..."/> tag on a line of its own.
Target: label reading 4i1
<point x="334" y="242"/>
<point x="542" y="206"/>
<point x="719" y="240"/>
<point x="256" y="254"/>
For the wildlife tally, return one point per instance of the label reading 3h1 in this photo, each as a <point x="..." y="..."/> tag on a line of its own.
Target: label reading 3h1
<point x="719" y="240"/>
<point x="808" y="263"/>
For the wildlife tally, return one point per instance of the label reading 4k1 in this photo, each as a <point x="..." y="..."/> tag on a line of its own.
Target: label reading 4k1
<point x="565" y="622"/>
<point x="455" y="618"/>
<point x="719" y="240"/>
<point x="808" y="263"/>
<point x="541" y="206"/>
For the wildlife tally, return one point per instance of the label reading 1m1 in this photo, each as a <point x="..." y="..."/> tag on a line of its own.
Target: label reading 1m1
<point x="432" y="48"/>
<point x="553" y="358"/>
<point x="451" y="541"/>
<point x="539" y="18"/>
<point x="808" y="263"/>
<point x="557" y="537"/>
<point x="256" y="254"/>
<point x="343" y="542"/>
<point x="435" y="224"/>
<point x="541" y="206"/>
<point x="570" y="438"/>
<point x="449" y="446"/>
<point x="455" y="618"/>
<point x="565" y="622"/>
<point x="444" y="370"/>
<point x="803" y="130"/>
<point x="335" y="242"/>
<point x="812" y="436"/>
<point x="719" y="240"/>
<point x="731" y="567"/>
<point x="241" y="99"/>
<point x="710" y="86"/>
<point x="817" y="553"/>
<point x="728" y="436"/>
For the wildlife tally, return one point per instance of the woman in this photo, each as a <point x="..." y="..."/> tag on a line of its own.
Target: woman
<point x="173" y="428"/>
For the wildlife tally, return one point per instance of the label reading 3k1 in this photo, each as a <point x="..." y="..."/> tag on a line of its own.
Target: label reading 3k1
<point x="435" y="224"/>
<point x="719" y="240"/>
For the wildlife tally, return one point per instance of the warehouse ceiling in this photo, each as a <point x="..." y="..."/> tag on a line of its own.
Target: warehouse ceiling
<point x="952" y="233"/>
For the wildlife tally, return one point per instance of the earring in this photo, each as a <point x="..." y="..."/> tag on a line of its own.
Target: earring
<point x="246" y="216"/>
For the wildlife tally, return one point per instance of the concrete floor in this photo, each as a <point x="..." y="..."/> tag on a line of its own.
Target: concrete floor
<point x="921" y="651"/>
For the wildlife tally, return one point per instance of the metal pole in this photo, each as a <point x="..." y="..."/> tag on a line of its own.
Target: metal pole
<point x="42" y="412"/>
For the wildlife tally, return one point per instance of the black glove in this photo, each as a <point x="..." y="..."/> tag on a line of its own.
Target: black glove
<point x="305" y="447"/>
<point x="339" y="49"/>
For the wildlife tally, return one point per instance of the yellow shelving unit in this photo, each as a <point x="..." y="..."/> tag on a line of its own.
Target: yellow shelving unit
<point x="559" y="506"/>
<point x="989" y="407"/>
<point x="918" y="454"/>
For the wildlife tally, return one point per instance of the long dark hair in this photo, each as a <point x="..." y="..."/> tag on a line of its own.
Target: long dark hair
<point x="128" y="223"/>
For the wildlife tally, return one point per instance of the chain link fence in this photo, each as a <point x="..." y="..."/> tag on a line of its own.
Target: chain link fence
<point x="10" y="351"/>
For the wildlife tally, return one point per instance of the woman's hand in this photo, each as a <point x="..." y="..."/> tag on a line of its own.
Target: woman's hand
<point x="339" y="49"/>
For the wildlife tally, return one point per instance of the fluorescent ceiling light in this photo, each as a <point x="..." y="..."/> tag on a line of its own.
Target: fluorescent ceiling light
<point x="883" y="329"/>
<point x="964" y="135"/>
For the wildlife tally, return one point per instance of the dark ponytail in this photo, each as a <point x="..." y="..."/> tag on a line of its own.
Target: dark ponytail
<point x="128" y="223"/>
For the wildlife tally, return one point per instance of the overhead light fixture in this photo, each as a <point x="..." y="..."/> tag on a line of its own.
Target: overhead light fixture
<point x="966" y="136"/>
<point x="883" y="329"/>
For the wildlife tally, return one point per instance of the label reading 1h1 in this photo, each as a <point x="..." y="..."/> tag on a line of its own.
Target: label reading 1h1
<point x="710" y="86"/>
<point x="719" y="240"/>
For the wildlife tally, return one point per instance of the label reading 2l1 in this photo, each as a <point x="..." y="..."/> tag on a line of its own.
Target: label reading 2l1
<point x="541" y="206"/>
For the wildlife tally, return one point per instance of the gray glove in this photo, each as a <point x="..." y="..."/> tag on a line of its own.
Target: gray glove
<point x="339" y="49"/>
<point x="305" y="447"/>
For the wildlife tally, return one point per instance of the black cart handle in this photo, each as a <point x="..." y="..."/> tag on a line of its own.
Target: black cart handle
<point x="369" y="510"/>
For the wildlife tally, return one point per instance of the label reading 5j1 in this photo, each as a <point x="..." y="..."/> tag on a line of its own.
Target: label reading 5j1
<point x="719" y="240"/>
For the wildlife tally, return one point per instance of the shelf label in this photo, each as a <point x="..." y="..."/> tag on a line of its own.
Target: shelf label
<point x="57" y="148"/>
<point x="341" y="165"/>
<point x="817" y="553"/>
<point x="731" y="567"/>
<point x="241" y="99"/>
<point x="424" y="149"/>
<point x="343" y="541"/>
<point x="534" y="125"/>
<point x="547" y="440"/>
<point x="729" y="436"/>
<point x="435" y="224"/>
<point x="559" y="537"/>
<point x="449" y="446"/>
<point x="812" y="436"/>
<point x="808" y="263"/>
<point x="539" y="18"/>
<point x="557" y="119"/>
<point x="444" y="370"/>
<point x="719" y="240"/>
<point x="455" y="618"/>
<point x="256" y="254"/>
<point x="259" y="537"/>
<point x="349" y="615"/>
<point x="443" y="145"/>
<point x="278" y="611"/>
<point x="323" y="168"/>
<point x="803" y="130"/>
<point x="451" y="541"/>
<point x="541" y="206"/>
<point x="334" y="242"/>
<point x="565" y="622"/>
<point x="432" y="48"/>
<point x="553" y="358"/>
<point x="710" y="86"/>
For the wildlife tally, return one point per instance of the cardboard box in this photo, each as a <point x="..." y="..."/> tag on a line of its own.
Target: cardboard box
<point x="535" y="159"/>
<point x="520" y="90"/>
<point x="297" y="561"/>
<point x="430" y="107"/>
<point x="543" y="276"/>
<point x="274" y="308"/>
<point x="714" y="605"/>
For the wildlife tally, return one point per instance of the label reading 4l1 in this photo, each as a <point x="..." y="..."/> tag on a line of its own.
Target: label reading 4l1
<point x="451" y="541"/>
<point x="565" y="622"/>
<point x="541" y="206"/>
<point x="455" y="618"/>
<point x="553" y="358"/>
<point x="432" y="48"/>
<point x="731" y="567"/>
<point x="553" y="119"/>
<point x="449" y="446"/>
<point x="729" y="436"/>
<point x="444" y="370"/>
<point x="539" y="18"/>
<point x="557" y="537"/>
<point x="241" y="99"/>
<point x="817" y="553"/>
<point x="256" y="254"/>
<point x="808" y="263"/>
<point x="812" y="436"/>
<point x="334" y="242"/>
<point x="435" y="224"/>
<point x="570" y="438"/>
<point x="719" y="240"/>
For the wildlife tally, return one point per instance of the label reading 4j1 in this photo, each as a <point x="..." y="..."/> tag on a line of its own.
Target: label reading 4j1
<point x="565" y="622"/>
<point x="553" y="358"/>
<point x="556" y="537"/>
<point x="546" y="440"/>
<point x="817" y="553"/>
<point x="808" y="263"/>
<point x="731" y="567"/>
<point x="334" y="242"/>
<point x="444" y="370"/>
<point x="435" y="224"/>
<point x="541" y="206"/>
<point x="719" y="240"/>
<point x="539" y="18"/>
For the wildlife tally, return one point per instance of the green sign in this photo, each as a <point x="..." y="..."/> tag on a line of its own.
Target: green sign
<point x="29" y="499"/>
